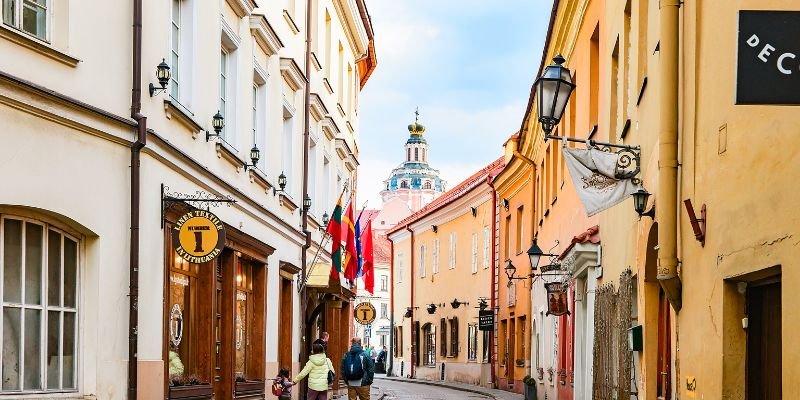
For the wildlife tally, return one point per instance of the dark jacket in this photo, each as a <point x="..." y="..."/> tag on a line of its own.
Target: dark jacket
<point x="323" y="343"/>
<point x="366" y="364"/>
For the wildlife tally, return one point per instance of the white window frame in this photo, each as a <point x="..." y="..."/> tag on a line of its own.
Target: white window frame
<point x="474" y="253"/>
<point x="486" y="246"/>
<point x="18" y="23"/>
<point x="472" y="342"/>
<point x="422" y="261"/>
<point x="181" y="60"/>
<point x="44" y="307"/>
<point x="435" y="256"/>
<point x="384" y="283"/>
<point x="452" y="258"/>
<point x="399" y="261"/>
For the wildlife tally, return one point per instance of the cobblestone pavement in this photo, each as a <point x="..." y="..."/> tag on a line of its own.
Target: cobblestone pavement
<point x="394" y="390"/>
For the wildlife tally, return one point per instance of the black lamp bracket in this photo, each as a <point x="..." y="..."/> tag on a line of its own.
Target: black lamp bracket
<point x="154" y="90"/>
<point x="209" y="135"/>
<point x="199" y="200"/>
<point x="628" y="157"/>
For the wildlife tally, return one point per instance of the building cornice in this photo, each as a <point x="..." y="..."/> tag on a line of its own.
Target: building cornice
<point x="266" y="37"/>
<point x="353" y="25"/>
<point x="242" y="8"/>
<point x="292" y="74"/>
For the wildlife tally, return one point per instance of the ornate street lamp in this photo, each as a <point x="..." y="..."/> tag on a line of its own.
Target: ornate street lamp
<point x="325" y="219"/>
<point x="553" y="89"/>
<point x="640" y="203"/>
<point x="535" y="254"/>
<point x="218" y="123"/>
<point x="455" y="303"/>
<point x="281" y="183"/>
<point x="511" y="270"/>
<point x="306" y="203"/>
<point x="431" y="308"/>
<point x="255" y="155"/>
<point x="162" y="74"/>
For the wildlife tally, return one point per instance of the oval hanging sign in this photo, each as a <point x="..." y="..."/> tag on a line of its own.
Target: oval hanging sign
<point x="198" y="236"/>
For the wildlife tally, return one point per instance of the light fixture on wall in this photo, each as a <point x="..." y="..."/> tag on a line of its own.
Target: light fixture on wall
<point x="218" y="123"/>
<point x="325" y="219"/>
<point x="281" y="184"/>
<point x="431" y="308"/>
<point x="535" y="254"/>
<point x="474" y="211"/>
<point x="553" y="90"/>
<point x="163" y="75"/>
<point x="455" y="303"/>
<point x="506" y="204"/>
<point x="435" y="228"/>
<point x="255" y="155"/>
<point x="306" y="203"/>
<point x="640" y="203"/>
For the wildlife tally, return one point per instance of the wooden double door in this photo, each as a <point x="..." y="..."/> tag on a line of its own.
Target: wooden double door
<point x="764" y="380"/>
<point x="214" y="328"/>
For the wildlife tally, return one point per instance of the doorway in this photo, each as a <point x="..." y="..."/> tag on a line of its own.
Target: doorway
<point x="664" y="370"/>
<point x="763" y="369"/>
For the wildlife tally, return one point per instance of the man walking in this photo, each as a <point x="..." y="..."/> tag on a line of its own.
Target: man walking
<point x="323" y="340"/>
<point x="358" y="371"/>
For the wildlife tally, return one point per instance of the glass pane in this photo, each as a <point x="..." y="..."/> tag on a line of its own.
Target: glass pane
<point x="176" y="11"/>
<point x="9" y="12"/>
<point x="33" y="263"/>
<point x="241" y="326"/>
<point x="11" y="335"/>
<point x="33" y="350"/>
<point x="69" y="350"/>
<point x="34" y="19"/>
<point x="70" y="271"/>
<point x="54" y="268"/>
<point x="175" y="39"/>
<point x="179" y="321"/>
<point x="53" y="329"/>
<point x="12" y="266"/>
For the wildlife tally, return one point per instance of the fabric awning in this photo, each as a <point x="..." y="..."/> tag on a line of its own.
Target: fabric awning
<point x="319" y="275"/>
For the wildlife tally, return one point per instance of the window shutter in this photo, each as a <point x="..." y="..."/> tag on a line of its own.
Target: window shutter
<point x="443" y="326"/>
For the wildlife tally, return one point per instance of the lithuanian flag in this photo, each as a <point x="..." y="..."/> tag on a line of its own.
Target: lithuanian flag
<point x="335" y="230"/>
<point x="351" y="256"/>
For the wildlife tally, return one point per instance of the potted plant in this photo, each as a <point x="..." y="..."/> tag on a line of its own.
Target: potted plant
<point x="189" y="387"/>
<point x="530" y="387"/>
<point x="247" y="388"/>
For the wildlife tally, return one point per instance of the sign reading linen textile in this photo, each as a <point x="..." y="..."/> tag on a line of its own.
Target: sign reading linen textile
<point x="593" y="172"/>
<point x="768" y="58"/>
<point x="198" y="236"/>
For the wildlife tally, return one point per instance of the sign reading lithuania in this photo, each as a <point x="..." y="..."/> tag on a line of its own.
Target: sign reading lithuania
<point x="198" y="236"/>
<point x="364" y="313"/>
<point x="768" y="62"/>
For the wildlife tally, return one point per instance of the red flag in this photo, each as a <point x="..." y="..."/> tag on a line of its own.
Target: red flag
<point x="350" y="264"/>
<point x="366" y="254"/>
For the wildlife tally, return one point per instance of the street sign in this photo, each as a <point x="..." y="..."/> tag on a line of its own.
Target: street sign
<point x="486" y="320"/>
<point x="198" y="236"/>
<point x="364" y="313"/>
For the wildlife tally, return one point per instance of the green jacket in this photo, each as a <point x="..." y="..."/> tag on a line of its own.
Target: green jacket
<point x="316" y="369"/>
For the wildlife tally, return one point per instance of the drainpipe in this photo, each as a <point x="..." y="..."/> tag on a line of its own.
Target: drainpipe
<point x="667" y="211"/>
<point x="390" y="367"/>
<point x="136" y="147"/>
<point x="413" y="331"/>
<point x="492" y="297"/>
<point x="305" y="327"/>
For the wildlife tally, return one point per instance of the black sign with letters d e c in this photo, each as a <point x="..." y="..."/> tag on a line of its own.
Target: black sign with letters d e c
<point x="486" y="320"/>
<point x="768" y="64"/>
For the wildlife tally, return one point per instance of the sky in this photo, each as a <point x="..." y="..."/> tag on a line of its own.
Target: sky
<point x="467" y="64"/>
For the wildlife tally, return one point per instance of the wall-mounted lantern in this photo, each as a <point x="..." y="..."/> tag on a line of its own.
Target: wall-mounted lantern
<point x="640" y="203"/>
<point x="455" y="303"/>
<point x="431" y="308"/>
<point x="163" y="75"/>
<point x="218" y="123"/>
<point x="281" y="184"/>
<point x="553" y="89"/>
<point x="255" y="155"/>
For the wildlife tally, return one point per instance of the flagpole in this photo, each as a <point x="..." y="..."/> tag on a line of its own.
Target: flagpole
<point x="325" y="238"/>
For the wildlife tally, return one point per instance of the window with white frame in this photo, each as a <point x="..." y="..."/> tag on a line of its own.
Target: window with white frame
<point x="175" y="48"/>
<point x="223" y="90"/>
<point x="312" y="173"/>
<point x="40" y="299"/>
<point x="474" y="253"/>
<point x="452" y="259"/>
<point x="384" y="310"/>
<point x="512" y="293"/>
<point x="422" y="261"/>
<point x="29" y="16"/>
<point x="486" y="246"/>
<point x="181" y="51"/>
<point x="472" y="342"/>
<point x="435" y="257"/>
<point x="287" y="160"/>
<point x="228" y="79"/>
<point x="399" y="263"/>
<point x="384" y="283"/>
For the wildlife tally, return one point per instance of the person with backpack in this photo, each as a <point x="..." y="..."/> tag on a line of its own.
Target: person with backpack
<point x="358" y="371"/>
<point x="319" y="370"/>
<point x="282" y="386"/>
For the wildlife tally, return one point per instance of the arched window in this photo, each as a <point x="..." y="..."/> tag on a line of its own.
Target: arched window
<point x="416" y="154"/>
<point x="408" y="155"/>
<point x="427" y="185"/>
<point x="404" y="185"/>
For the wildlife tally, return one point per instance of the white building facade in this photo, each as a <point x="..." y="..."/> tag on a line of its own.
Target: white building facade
<point x="221" y="328"/>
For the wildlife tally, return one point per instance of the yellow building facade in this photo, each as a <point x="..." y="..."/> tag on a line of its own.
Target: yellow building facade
<point x="704" y="280"/>
<point x="442" y="276"/>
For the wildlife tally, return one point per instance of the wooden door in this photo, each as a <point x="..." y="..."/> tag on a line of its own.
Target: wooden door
<point x="285" y="313"/>
<point x="764" y="341"/>
<point x="664" y="368"/>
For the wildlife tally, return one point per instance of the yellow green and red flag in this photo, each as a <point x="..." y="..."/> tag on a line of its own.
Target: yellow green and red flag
<point x="335" y="230"/>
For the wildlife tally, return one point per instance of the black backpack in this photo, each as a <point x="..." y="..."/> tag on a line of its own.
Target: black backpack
<point x="353" y="366"/>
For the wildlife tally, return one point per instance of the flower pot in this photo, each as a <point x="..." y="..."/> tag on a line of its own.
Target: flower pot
<point x="530" y="392"/>
<point x="192" y="392"/>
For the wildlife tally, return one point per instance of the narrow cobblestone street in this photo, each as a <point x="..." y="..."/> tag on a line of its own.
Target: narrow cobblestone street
<point x="393" y="390"/>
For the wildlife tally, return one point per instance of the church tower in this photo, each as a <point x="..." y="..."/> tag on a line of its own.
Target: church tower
<point x="414" y="182"/>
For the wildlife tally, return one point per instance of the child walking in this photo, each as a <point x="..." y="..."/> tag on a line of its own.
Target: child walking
<point x="316" y="369"/>
<point x="285" y="383"/>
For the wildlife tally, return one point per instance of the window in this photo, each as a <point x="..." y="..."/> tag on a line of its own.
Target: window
<point x="435" y="256"/>
<point x="486" y="346"/>
<point x="452" y="263"/>
<point x="486" y="245"/>
<point x="429" y="333"/>
<point x="408" y="154"/>
<point x="340" y="67"/>
<point x="384" y="310"/>
<point x="384" y="283"/>
<point x="175" y="49"/>
<point x="416" y="154"/>
<point x="39" y="294"/>
<point x="443" y="330"/>
<point x="181" y="51"/>
<point x="512" y="293"/>
<point x="454" y="337"/>
<point x="519" y="229"/>
<point x="223" y="88"/>
<point x="472" y="342"/>
<point x="474" y="253"/>
<point x="287" y="162"/>
<point x="404" y="185"/>
<point x="507" y="237"/>
<point x="427" y="185"/>
<point x="30" y="16"/>
<point x="399" y="262"/>
<point x="422" y="261"/>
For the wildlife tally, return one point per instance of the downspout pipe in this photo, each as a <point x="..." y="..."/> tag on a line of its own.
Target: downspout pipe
<point x="413" y="310"/>
<point x="492" y="296"/>
<point x="390" y="367"/>
<point x="136" y="147"/>
<point x="305" y="327"/>
<point x="667" y="211"/>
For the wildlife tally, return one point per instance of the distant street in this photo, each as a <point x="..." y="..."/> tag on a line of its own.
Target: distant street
<point x="394" y="390"/>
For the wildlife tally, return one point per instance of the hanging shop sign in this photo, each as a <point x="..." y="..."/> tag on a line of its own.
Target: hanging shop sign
<point x="556" y="298"/>
<point x="486" y="320"/>
<point x="198" y="236"/>
<point x="768" y="59"/>
<point x="364" y="313"/>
